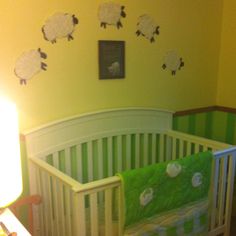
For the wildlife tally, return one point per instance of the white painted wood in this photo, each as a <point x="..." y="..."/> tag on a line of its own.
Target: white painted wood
<point x="102" y="123"/>
<point x="174" y="140"/>
<point x="222" y="189"/>
<point x="128" y="152"/>
<point x="214" y="195"/>
<point x="100" y="159"/>
<point x="66" y="213"/>
<point x="162" y="158"/>
<point x="137" y="150"/>
<point x="50" y="205"/>
<point x="108" y="212"/>
<point x="68" y="161"/>
<point x="119" y="153"/>
<point x="94" y="214"/>
<point x="145" y="150"/>
<point x="90" y="161"/>
<point x="154" y="147"/>
<point x="55" y="158"/>
<point x="79" y="163"/>
<point x="110" y="156"/>
<point x="229" y="191"/>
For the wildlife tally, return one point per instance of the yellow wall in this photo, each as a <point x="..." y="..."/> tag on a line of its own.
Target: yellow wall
<point x="71" y="85"/>
<point x="227" y="73"/>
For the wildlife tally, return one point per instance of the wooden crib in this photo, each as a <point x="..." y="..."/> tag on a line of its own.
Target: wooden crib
<point x="73" y="163"/>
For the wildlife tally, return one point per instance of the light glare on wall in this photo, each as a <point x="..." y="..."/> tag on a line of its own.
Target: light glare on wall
<point x="10" y="163"/>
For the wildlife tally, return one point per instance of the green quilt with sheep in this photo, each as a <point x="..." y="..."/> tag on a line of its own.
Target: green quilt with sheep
<point x="165" y="187"/>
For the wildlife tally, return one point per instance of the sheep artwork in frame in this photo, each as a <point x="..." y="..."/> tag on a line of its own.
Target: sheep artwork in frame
<point x="111" y="59"/>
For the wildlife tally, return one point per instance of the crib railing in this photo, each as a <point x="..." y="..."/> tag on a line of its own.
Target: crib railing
<point x="95" y="207"/>
<point x="55" y="215"/>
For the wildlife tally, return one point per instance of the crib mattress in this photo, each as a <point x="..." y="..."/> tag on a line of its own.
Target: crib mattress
<point x="190" y="220"/>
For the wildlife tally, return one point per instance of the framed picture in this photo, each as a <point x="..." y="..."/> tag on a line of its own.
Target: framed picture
<point x="111" y="59"/>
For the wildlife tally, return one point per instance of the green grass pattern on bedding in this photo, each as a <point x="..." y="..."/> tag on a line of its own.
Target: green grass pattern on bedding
<point x="168" y="193"/>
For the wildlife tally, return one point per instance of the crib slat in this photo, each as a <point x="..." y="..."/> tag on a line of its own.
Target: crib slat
<point x="181" y="148"/>
<point x="145" y="150"/>
<point x="222" y="189"/>
<point x="188" y="151"/>
<point x="214" y="193"/>
<point x="68" y="211"/>
<point x="49" y="189"/>
<point x="128" y="152"/>
<point x="39" y="191"/>
<point x="229" y="192"/>
<point x="120" y="211"/>
<point x="173" y="155"/>
<point x="100" y="159"/>
<point x="68" y="161"/>
<point x="90" y="161"/>
<point x="119" y="153"/>
<point x="154" y="146"/>
<point x="196" y="148"/>
<point x="55" y="201"/>
<point x="79" y="227"/>
<point x="61" y="216"/>
<point x="137" y="153"/>
<point x="79" y="162"/>
<point x="94" y="214"/>
<point x="46" y="203"/>
<point x="110" y="156"/>
<point x="55" y="157"/>
<point x="162" y="136"/>
<point x="108" y="212"/>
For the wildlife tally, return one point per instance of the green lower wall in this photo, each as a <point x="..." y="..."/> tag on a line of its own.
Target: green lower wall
<point x="215" y="125"/>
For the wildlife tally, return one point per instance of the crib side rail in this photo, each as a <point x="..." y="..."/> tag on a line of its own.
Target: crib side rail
<point x="179" y="144"/>
<point x="222" y="191"/>
<point x="98" y="208"/>
<point x="55" y="215"/>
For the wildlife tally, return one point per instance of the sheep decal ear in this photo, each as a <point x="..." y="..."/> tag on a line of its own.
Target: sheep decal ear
<point x="147" y="27"/>
<point x="60" y="25"/>
<point x="29" y="64"/>
<point x="173" y="62"/>
<point x="110" y="14"/>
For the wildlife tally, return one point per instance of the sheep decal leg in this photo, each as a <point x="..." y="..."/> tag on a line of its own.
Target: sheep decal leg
<point x="60" y="25"/>
<point x="43" y="66"/>
<point x="69" y="37"/>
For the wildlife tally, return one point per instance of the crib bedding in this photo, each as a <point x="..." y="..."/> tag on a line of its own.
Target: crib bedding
<point x="191" y="220"/>
<point x="168" y="187"/>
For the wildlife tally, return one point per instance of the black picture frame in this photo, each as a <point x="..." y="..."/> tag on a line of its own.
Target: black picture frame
<point x="111" y="59"/>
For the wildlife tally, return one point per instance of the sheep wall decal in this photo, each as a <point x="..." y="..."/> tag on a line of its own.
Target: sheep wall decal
<point x="60" y="25"/>
<point x="173" y="62"/>
<point x="29" y="64"/>
<point x="147" y="27"/>
<point x="110" y="14"/>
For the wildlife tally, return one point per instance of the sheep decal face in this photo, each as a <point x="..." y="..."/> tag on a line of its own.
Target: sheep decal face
<point x="173" y="62"/>
<point x="110" y="14"/>
<point x="147" y="27"/>
<point x="60" y="25"/>
<point x="29" y="64"/>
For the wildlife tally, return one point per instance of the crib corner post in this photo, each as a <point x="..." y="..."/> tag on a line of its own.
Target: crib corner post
<point x="78" y="214"/>
<point x="229" y="201"/>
